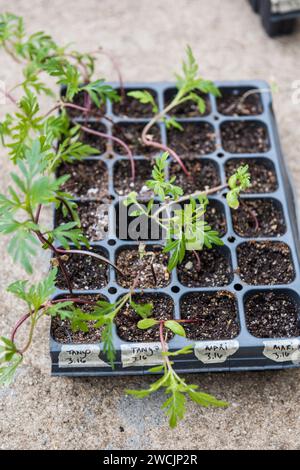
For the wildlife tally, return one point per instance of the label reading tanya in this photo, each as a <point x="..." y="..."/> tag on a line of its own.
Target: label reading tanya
<point x="80" y="355"/>
<point x="141" y="354"/>
<point x="215" y="352"/>
<point x="284" y="6"/>
<point x="282" y="350"/>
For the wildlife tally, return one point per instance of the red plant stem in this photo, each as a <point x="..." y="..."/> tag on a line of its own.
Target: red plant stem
<point x="67" y="207"/>
<point x="114" y="139"/>
<point x="44" y="240"/>
<point x="89" y="253"/>
<point x="198" y="262"/>
<point x="17" y="326"/>
<point x="165" y="148"/>
<point x="117" y="69"/>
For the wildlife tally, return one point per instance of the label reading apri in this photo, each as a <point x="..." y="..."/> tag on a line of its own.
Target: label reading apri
<point x="141" y="354"/>
<point x="284" y="6"/>
<point x="80" y="355"/>
<point x="282" y="350"/>
<point x="214" y="352"/>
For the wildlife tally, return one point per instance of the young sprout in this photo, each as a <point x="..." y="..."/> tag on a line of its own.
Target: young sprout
<point x="189" y="84"/>
<point x="185" y="227"/>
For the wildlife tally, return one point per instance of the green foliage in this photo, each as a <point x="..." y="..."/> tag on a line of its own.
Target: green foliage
<point x="178" y="390"/>
<point x="143" y="310"/>
<point x="32" y="188"/>
<point x="190" y="81"/>
<point x="37" y="294"/>
<point x="158" y="184"/>
<point x="176" y="327"/>
<point x="10" y="359"/>
<point x="144" y="97"/>
<point x="68" y="233"/>
<point x="11" y="28"/>
<point x="100" y="92"/>
<point x="175" y="387"/>
<point x="147" y="323"/>
<point x="238" y="182"/>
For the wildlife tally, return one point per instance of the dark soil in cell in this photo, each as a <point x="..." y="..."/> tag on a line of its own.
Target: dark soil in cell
<point x="215" y="269"/>
<point x="215" y="217"/>
<point x="195" y="139"/>
<point x="265" y="263"/>
<point x="204" y="174"/>
<point x="272" y="315"/>
<point x="88" y="179"/>
<point x="263" y="176"/>
<point x="131" y="134"/>
<point x="237" y="103"/>
<point x="123" y="183"/>
<point x="100" y="143"/>
<point x="150" y="271"/>
<point x="85" y="272"/>
<point x="258" y="218"/>
<point x="188" y="109"/>
<point x="244" y="137"/>
<point x="127" y="318"/>
<point x="131" y="108"/>
<point x="215" y="315"/>
<point x="93" y="217"/>
<point x="61" y="330"/>
<point x="81" y="99"/>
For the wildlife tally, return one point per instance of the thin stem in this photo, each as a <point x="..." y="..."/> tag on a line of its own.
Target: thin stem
<point x="158" y="145"/>
<point x="198" y="262"/>
<point x="117" y="69"/>
<point x="114" y="139"/>
<point x="89" y="253"/>
<point x="187" y="197"/>
<point x="65" y="203"/>
<point x="44" y="241"/>
<point x="17" y="326"/>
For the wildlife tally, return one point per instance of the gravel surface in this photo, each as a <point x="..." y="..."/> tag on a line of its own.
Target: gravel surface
<point x="40" y="412"/>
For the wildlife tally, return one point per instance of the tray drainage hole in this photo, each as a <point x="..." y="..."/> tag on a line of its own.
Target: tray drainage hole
<point x="231" y="239"/>
<point x="238" y="287"/>
<point x="175" y="289"/>
<point x="224" y="195"/>
<point x="112" y="290"/>
<point x="111" y="242"/>
<point x="216" y="118"/>
<point x="220" y="155"/>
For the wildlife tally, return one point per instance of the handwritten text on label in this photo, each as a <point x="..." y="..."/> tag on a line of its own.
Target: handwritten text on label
<point x="141" y="354"/>
<point x="214" y="352"/>
<point x="282" y="350"/>
<point x="80" y="355"/>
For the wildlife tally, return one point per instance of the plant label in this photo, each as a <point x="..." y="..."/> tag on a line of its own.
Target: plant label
<point x="80" y="355"/>
<point x="282" y="350"/>
<point x="215" y="352"/>
<point x="141" y="354"/>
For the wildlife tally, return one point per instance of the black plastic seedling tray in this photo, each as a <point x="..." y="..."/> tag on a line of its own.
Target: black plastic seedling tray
<point x="278" y="16"/>
<point x="245" y="352"/>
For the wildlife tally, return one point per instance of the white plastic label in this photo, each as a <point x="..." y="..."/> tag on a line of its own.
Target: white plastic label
<point x="141" y="354"/>
<point x="214" y="352"/>
<point x="282" y="350"/>
<point x="284" y="6"/>
<point x="80" y="355"/>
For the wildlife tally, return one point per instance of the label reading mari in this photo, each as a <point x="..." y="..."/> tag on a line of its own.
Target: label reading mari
<point x="284" y="6"/>
<point x="282" y="350"/>
<point x="80" y="355"/>
<point x="141" y="354"/>
<point x="214" y="352"/>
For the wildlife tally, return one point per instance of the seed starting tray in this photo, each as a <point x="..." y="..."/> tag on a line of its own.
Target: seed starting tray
<point x="245" y="351"/>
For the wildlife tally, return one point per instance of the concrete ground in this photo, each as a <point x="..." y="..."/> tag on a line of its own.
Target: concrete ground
<point x="149" y="37"/>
